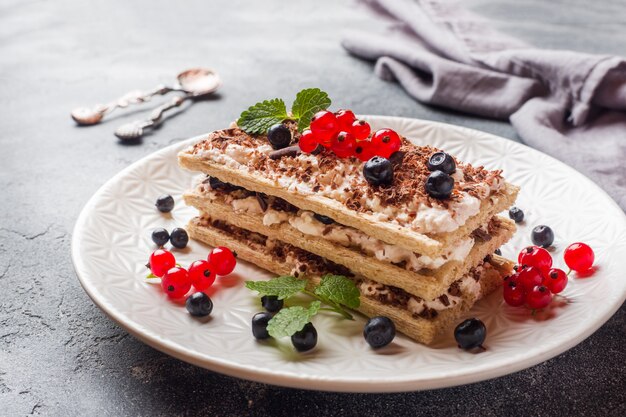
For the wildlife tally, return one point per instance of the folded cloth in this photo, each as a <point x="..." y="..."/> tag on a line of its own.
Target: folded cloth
<point x="570" y="105"/>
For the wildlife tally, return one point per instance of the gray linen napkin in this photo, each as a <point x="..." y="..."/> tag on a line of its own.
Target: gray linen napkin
<point x="570" y="105"/>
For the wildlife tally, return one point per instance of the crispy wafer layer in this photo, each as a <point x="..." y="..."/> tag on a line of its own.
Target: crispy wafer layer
<point x="427" y="284"/>
<point x="433" y="245"/>
<point x="424" y="330"/>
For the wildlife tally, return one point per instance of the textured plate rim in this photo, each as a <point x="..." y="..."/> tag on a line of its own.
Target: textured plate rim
<point x="343" y="384"/>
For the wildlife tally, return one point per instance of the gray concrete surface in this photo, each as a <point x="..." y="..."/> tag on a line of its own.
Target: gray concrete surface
<point x="59" y="354"/>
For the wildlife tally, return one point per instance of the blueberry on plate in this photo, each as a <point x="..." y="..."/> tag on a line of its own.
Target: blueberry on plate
<point x="439" y="185"/>
<point x="542" y="236"/>
<point x="271" y="303"/>
<point x="165" y="203"/>
<point x="470" y="334"/>
<point x="323" y="219"/>
<point x="259" y="325"/>
<point x="160" y="236"/>
<point x="199" y="304"/>
<point x="379" y="331"/>
<point x="279" y="136"/>
<point x="441" y="161"/>
<point x="378" y="171"/>
<point x="305" y="339"/>
<point x="516" y="214"/>
<point x="179" y="238"/>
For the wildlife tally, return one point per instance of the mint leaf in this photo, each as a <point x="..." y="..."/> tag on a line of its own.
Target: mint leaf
<point x="281" y="287"/>
<point x="339" y="290"/>
<point x="258" y="118"/>
<point x="292" y="319"/>
<point x="307" y="103"/>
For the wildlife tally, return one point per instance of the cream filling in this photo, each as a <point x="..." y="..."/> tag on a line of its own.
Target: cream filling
<point x="333" y="184"/>
<point x="416" y="305"/>
<point x="305" y="222"/>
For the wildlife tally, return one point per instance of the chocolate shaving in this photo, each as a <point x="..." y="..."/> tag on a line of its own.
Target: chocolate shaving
<point x="262" y="199"/>
<point x="289" y="151"/>
<point x="480" y="234"/>
<point x="455" y="289"/>
<point x="444" y="300"/>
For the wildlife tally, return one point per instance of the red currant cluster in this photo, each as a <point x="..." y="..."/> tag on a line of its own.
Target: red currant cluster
<point x="536" y="281"/>
<point x="348" y="137"/>
<point x="177" y="281"/>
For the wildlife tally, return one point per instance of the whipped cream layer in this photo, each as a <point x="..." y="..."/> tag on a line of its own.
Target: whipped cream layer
<point x="305" y="221"/>
<point x="467" y="285"/>
<point x="305" y="263"/>
<point x="405" y="202"/>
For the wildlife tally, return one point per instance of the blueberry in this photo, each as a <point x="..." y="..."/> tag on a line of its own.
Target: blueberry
<point x="542" y="236"/>
<point x="305" y="339"/>
<point x="516" y="214"/>
<point x="379" y="331"/>
<point x="179" y="238"/>
<point x="323" y="219"/>
<point x="160" y="236"/>
<point x="199" y="304"/>
<point x="165" y="203"/>
<point x="259" y="325"/>
<point x="279" y="136"/>
<point x="470" y="334"/>
<point x="441" y="161"/>
<point x="378" y="171"/>
<point x="498" y="252"/>
<point x="271" y="303"/>
<point x="439" y="185"/>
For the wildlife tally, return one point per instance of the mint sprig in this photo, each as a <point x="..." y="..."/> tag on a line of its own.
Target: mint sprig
<point x="291" y="320"/>
<point x="260" y="117"/>
<point x="281" y="287"/>
<point x="335" y="291"/>
<point x="307" y="103"/>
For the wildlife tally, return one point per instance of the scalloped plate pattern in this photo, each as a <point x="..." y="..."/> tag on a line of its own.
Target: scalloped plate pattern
<point x="111" y="243"/>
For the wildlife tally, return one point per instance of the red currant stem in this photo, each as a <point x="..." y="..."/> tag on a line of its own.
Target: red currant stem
<point x="334" y="307"/>
<point x="569" y="272"/>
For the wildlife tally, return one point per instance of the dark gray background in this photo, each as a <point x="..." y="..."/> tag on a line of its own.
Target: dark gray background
<point x="59" y="354"/>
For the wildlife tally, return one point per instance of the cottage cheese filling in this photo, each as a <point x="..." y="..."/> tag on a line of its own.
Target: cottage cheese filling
<point x="305" y="222"/>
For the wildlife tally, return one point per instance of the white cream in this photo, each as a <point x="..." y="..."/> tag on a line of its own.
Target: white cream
<point x="415" y="305"/>
<point x="348" y="175"/>
<point x="305" y="222"/>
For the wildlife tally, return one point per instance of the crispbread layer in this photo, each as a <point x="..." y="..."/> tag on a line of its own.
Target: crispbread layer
<point x="427" y="284"/>
<point x="423" y="330"/>
<point x="432" y="246"/>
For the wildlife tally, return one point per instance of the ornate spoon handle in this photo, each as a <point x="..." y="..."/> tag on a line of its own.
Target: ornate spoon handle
<point x="135" y="130"/>
<point x="92" y="116"/>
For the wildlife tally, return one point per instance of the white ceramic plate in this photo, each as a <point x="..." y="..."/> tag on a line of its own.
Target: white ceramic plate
<point x="111" y="244"/>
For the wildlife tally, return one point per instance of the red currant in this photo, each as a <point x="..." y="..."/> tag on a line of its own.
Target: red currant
<point x="385" y="142"/>
<point x="176" y="282"/>
<point x="223" y="260"/>
<point x="555" y="280"/>
<point x="345" y="118"/>
<point x="539" y="297"/>
<point x="343" y="144"/>
<point x="161" y="261"/>
<point x="361" y="130"/>
<point x="529" y="278"/>
<point x="579" y="257"/>
<point x="537" y="257"/>
<point x="513" y="294"/>
<point x="363" y="150"/>
<point x="202" y="274"/>
<point x="307" y="141"/>
<point x="324" y="125"/>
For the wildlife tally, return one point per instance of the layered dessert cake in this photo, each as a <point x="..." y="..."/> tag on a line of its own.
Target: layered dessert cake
<point x="418" y="256"/>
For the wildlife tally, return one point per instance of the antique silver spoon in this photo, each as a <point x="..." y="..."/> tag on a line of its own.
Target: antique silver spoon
<point x="195" y="82"/>
<point x="135" y="130"/>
